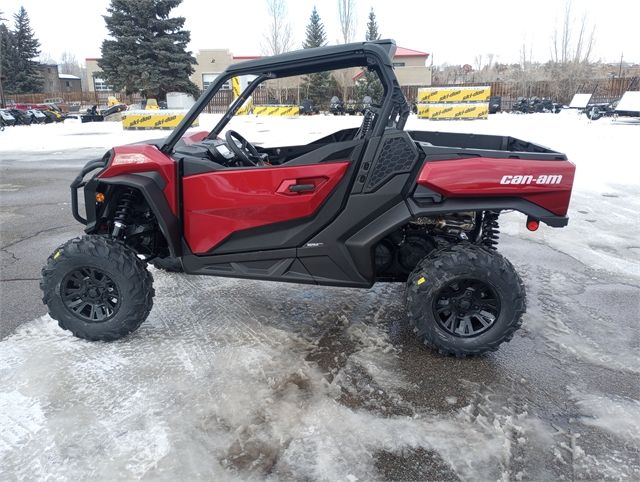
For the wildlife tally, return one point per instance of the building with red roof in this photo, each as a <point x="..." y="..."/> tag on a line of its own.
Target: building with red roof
<point x="410" y="66"/>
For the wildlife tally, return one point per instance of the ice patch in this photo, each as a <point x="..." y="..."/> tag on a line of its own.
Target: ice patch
<point x="618" y="416"/>
<point x="21" y="418"/>
<point x="232" y="398"/>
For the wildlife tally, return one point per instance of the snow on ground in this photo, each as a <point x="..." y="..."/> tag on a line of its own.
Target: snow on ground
<point x="233" y="379"/>
<point x="246" y="397"/>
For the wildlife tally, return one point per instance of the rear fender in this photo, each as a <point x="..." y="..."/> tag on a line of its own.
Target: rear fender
<point x="545" y="183"/>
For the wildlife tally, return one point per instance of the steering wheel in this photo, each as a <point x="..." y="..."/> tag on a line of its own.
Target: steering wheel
<point x="246" y="151"/>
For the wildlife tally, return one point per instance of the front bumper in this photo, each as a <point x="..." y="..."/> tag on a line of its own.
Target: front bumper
<point x="79" y="182"/>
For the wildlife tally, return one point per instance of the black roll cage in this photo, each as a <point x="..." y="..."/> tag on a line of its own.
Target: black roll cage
<point x="375" y="55"/>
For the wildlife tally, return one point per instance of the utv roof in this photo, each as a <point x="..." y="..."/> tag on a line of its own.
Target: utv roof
<point x="318" y="59"/>
<point x="362" y="54"/>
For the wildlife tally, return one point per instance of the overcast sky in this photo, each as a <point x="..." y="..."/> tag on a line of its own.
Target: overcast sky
<point x="453" y="31"/>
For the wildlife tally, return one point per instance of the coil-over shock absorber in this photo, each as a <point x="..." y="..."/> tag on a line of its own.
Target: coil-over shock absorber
<point x="490" y="230"/>
<point x="122" y="211"/>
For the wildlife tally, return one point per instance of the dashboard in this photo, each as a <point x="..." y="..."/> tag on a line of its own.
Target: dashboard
<point x="215" y="150"/>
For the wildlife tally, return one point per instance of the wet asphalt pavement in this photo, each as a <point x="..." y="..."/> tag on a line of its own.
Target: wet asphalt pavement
<point x="234" y="379"/>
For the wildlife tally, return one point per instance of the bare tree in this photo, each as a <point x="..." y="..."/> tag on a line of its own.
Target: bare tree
<point x="478" y="62"/>
<point x="563" y="47"/>
<point x="347" y="15"/>
<point x="46" y="58"/>
<point x="571" y="50"/>
<point x="69" y="64"/>
<point x="278" y="37"/>
<point x="277" y="40"/>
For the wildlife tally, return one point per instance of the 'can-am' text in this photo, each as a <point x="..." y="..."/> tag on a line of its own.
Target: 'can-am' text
<point x="542" y="179"/>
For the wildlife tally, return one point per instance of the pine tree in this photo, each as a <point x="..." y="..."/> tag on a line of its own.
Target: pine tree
<point x="4" y="49"/>
<point x="6" y="52"/>
<point x="372" y="27"/>
<point x="316" y="86"/>
<point x="315" y="34"/>
<point x="148" y="51"/>
<point x="369" y="84"/>
<point x="20" y="48"/>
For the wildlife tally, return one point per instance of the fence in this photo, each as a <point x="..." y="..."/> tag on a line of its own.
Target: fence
<point x="84" y="98"/>
<point x="603" y="90"/>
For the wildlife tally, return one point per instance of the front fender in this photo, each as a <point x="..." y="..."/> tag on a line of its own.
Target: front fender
<point x="151" y="185"/>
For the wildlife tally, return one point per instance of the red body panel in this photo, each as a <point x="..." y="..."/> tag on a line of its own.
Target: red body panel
<point x="220" y="203"/>
<point x="483" y="177"/>
<point x="147" y="158"/>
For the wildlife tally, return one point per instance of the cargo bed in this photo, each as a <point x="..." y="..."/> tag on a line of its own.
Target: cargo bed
<point x="471" y="145"/>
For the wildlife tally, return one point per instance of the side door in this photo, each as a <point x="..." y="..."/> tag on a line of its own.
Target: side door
<point x="239" y="210"/>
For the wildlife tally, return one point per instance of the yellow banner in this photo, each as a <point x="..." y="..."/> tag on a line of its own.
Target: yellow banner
<point x="454" y="94"/>
<point x="235" y="86"/>
<point x="153" y="120"/>
<point x="453" y="111"/>
<point x="277" y="110"/>
<point x="246" y="108"/>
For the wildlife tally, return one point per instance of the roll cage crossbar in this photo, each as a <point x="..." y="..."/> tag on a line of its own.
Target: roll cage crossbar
<point x="372" y="55"/>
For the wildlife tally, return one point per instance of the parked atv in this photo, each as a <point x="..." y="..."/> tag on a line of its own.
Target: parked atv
<point x="21" y="117"/>
<point x="336" y="106"/>
<point x="495" y="104"/>
<point x="114" y="109"/>
<point x="367" y="103"/>
<point x="92" y="115"/>
<point x="37" y="116"/>
<point x="351" y="107"/>
<point x="361" y="205"/>
<point x="307" y="107"/>
<point x="6" y="118"/>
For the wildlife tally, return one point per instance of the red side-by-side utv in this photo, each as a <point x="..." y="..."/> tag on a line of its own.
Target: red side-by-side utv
<point x="368" y="204"/>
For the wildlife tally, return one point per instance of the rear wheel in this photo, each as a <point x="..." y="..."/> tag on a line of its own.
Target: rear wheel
<point x="97" y="288"/>
<point x="465" y="300"/>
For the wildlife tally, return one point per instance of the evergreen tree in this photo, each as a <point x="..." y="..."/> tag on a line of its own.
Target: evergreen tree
<point x="6" y="50"/>
<point x="148" y="51"/>
<point x="316" y="86"/>
<point x="315" y="34"/>
<point x="372" y="27"/>
<point x="19" y="49"/>
<point x="4" y="36"/>
<point x="369" y="84"/>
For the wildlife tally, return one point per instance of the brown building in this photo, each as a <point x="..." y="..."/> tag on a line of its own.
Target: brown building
<point x="211" y="63"/>
<point x="50" y="79"/>
<point x="410" y="67"/>
<point x="70" y="83"/>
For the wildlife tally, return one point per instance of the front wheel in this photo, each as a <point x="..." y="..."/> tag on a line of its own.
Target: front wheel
<point x="465" y="300"/>
<point x="97" y="288"/>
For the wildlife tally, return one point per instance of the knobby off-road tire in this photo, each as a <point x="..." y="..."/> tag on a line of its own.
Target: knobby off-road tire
<point x="169" y="264"/>
<point x="459" y="280"/>
<point x="97" y="288"/>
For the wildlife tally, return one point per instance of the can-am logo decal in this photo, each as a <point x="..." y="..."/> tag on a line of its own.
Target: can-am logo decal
<point x="542" y="179"/>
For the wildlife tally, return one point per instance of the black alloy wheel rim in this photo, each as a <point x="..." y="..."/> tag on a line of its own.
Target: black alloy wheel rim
<point x="466" y="307"/>
<point x="90" y="294"/>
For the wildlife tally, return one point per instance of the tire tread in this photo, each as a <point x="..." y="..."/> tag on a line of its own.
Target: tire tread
<point x="125" y="261"/>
